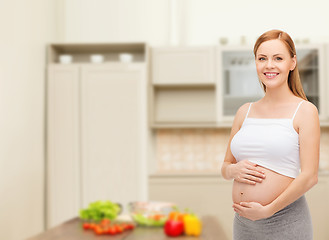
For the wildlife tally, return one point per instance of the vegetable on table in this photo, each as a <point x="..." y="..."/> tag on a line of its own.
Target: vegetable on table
<point x="183" y="222"/>
<point x="107" y="227"/>
<point x="177" y="215"/>
<point x="99" y="210"/>
<point x="157" y="220"/>
<point x="174" y="227"/>
<point x="192" y="225"/>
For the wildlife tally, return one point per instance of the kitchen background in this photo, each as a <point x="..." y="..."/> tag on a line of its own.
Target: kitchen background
<point x="27" y="26"/>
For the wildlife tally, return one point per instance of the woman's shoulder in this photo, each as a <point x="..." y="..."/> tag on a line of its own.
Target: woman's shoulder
<point x="243" y="109"/>
<point x="241" y="113"/>
<point x="239" y="118"/>
<point x="307" y="113"/>
<point x="307" y="108"/>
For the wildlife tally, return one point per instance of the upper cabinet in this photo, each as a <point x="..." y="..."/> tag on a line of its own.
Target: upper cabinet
<point x="204" y="87"/>
<point x="183" y="65"/>
<point x="237" y="80"/>
<point x="311" y="66"/>
<point x="182" y="87"/>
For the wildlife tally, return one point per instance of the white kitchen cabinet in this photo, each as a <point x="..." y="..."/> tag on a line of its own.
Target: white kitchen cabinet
<point x="183" y="90"/>
<point x="113" y="125"/>
<point x="312" y="71"/>
<point x="96" y="131"/>
<point x="326" y="67"/>
<point x="183" y="65"/>
<point x="203" y="194"/>
<point x="236" y="79"/>
<point x="184" y="105"/>
<point x="63" y="150"/>
<point x="317" y="199"/>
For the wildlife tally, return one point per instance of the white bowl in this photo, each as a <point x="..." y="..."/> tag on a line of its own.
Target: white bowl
<point x="96" y="58"/>
<point x="126" y="57"/>
<point x="65" y="58"/>
<point x="152" y="214"/>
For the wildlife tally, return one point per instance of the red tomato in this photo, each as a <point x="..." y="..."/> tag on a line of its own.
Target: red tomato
<point x="112" y="230"/>
<point x="123" y="226"/>
<point x="98" y="230"/>
<point x="173" y="228"/>
<point x="118" y="228"/>
<point x="105" y="222"/>
<point x="130" y="226"/>
<point x="86" y="226"/>
<point x="106" y="229"/>
<point x="92" y="226"/>
<point x="126" y="226"/>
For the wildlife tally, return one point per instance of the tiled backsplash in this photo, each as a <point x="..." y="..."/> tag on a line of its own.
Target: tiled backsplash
<point x="191" y="150"/>
<point x="203" y="150"/>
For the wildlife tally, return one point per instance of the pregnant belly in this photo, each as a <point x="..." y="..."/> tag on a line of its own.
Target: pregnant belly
<point x="265" y="192"/>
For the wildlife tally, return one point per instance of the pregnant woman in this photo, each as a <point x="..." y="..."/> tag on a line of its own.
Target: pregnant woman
<point x="273" y="152"/>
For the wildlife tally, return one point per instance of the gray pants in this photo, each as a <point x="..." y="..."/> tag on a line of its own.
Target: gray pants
<point x="291" y="223"/>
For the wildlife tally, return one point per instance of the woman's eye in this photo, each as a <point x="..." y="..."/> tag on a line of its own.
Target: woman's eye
<point x="278" y="58"/>
<point x="261" y="59"/>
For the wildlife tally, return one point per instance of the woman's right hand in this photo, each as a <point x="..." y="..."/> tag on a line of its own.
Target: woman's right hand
<point x="246" y="172"/>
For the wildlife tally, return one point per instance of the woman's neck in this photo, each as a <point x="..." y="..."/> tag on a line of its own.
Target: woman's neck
<point x="278" y="96"/>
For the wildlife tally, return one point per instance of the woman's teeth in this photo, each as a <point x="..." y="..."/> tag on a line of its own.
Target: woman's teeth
<point x="271" y="75"/>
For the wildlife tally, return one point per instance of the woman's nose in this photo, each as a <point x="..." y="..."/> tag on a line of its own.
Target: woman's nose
<point x="269" y="64"/>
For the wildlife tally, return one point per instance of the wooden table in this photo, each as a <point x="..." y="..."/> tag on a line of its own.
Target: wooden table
<point x="72" y="230"/>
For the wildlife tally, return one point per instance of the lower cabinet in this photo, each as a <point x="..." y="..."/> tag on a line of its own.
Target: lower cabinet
<point x="204" y="195"/>
<point x="211" y="195"/>
<point x="318" y="199"/>
<point x="95" y="136"/>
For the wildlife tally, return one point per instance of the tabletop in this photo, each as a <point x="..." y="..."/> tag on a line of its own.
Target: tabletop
<point x="72" y="230"/>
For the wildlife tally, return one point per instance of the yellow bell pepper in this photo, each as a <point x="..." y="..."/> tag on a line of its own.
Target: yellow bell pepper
<point x="192" y="225"/>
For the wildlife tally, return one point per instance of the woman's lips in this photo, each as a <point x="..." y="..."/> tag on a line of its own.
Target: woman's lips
<point x="271" y="75"/>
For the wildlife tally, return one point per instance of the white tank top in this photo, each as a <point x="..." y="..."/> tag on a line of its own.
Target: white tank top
<point x="272" y="143"/>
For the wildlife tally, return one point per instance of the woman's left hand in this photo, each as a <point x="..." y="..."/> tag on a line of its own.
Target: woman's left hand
<point x="252" y="210"/>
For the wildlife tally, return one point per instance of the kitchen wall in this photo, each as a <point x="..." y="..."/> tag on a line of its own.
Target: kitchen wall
<point x="25" y="26"/>
<point x="114" y="20"/>
<point x="190" y="22"/>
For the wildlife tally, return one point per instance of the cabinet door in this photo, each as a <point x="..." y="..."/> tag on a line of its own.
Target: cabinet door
<point x="237" y="80"/>
<point x="63" y="196"/>
<point x="183" y="65"/>
<point x="204" y="195"/>
<point x="113" y="125"/>
<point x="311" y="67"/>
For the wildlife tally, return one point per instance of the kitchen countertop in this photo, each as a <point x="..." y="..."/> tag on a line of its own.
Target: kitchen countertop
<point x="218" y="175"/>
<point x="72" y="230"/>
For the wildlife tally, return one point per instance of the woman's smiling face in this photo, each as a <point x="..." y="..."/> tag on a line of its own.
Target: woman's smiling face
<point x="273" y="63"/>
